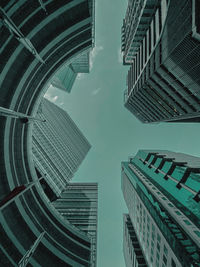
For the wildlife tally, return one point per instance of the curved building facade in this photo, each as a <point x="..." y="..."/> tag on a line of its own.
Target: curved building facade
<point x="36" y="38"/>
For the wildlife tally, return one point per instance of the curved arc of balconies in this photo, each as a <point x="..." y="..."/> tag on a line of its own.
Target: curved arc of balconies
<point x="12" y="237"/>
<point x="37" y="231"/>
<point x="18" y="88"/>
<point x="56" y="40"/>
<point x="53" y="66"/>
<point x="17" y="139"/>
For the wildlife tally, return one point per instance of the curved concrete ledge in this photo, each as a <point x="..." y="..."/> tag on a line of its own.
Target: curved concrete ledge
<point x="58" y="36"/>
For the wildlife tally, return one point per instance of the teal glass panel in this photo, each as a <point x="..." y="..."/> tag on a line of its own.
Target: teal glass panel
<point x="178" y="172"/>
<point x="166" y="166"/>
<point x="151" y="158"/>
<point x="157" y="163"/>
<point x="193" y="182"/>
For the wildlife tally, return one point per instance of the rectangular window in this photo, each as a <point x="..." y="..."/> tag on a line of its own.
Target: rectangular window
<point x="157" y="25"/>
<point x="152" y="34"/>
<point x="196" y="15"/>
<point x="164" y="260"/>
<point x="187" y="222"/>
<point x="145" y="49"/>
<point x="160" y="20"/>
<point x="197" y="233"/>
<point x="163" y="10"/>
<point x="173" y="264"/>
<point x="143" y="52"/>
<point x="150" y="40"/>
<point x="165" y="250"/>
<point x="139" y="62"/>
<point x="141" y="49"/>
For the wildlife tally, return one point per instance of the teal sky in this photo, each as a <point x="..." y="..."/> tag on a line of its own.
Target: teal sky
<point x="96" y="106"/>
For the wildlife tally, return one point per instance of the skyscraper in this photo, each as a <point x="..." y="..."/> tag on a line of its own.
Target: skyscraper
<point x="65" y="77"/>
<point x="162" y="193"/>
<point x="78" y="204"/>
<point x="81" y="64"/>
<point x="133" y="254"/>
<point x="160" y="41"/>
<point x="59" y="146"/>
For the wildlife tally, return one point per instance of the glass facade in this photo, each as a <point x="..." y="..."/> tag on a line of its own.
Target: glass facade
<point x="160" y="43"/>
<point x="66" y="75"/>
<point x="132" y="251"/>
<point x="166" y="225"/>
<point x="64" y="79"/>
<point x="78" y="204"/>
<point x="82" y="63"/>
<point x="58" y="147"/>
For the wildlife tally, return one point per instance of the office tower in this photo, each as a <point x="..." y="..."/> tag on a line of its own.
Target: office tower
<point x="66" y="75"/>
<point x="160" y="42"/>
<point x="78" y="204"/>
<point x="162" y="193"/>
<point x="64" y="79"/>
<point x="37" y="38"/>
<point x="82" y="63"/>
<point x="133" y="254"/>
<point x="59" y="146"/>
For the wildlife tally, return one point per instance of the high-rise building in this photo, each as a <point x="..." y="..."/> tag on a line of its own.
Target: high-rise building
<point x="160" y="41"/>
<point x="82" y="63"/>
<point x="66" y="75"/>
<point x="133" y="254"/>
<point x="78" y="204"/>
<point x="64" y="79"/>
<point x="162" y="193"/>
<point x="59" y="146"/>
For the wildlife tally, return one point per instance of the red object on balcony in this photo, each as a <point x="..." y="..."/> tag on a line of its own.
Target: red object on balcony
<point x="12" y="194"/>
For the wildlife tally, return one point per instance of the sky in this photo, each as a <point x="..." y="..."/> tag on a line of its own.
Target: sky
<point x="96" y="106"/>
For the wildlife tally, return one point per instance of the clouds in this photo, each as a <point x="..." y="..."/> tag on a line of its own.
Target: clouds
<point x="50" y="97"/>
<point x="96" y="91"/>
<point x="94" y="53"/>
<point x="53" y="96"/>
<point x="80" y="76"/>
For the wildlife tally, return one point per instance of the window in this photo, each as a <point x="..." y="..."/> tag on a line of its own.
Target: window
<point x="150" y="40"/>
<point x="158" y="237"/>
<point x="173" y="264"/>
<point x="197" y="233"/>
<point x="177" y="212"/>
<point x="164" y="260"/>
<point x="165" y="250"/>
<point x="196" y="4"/>
<point x="160" y="20"/>
<point x="187" y="222"/>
